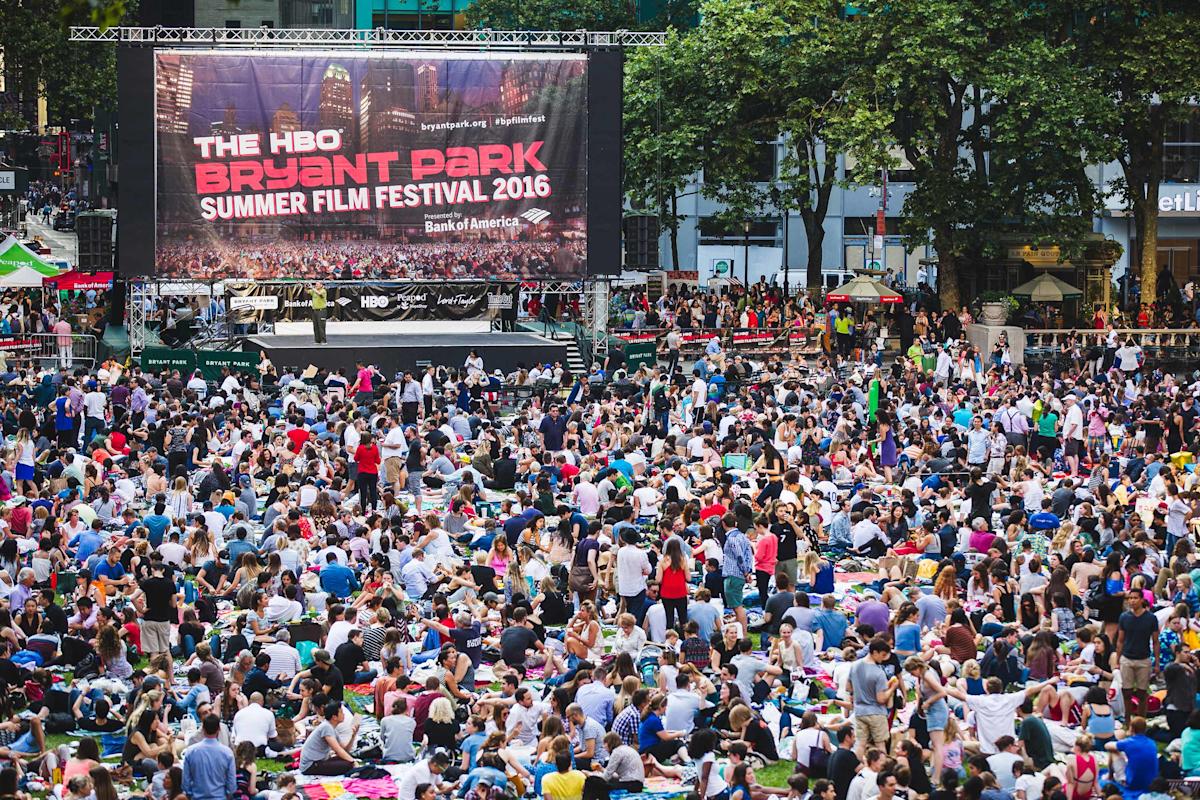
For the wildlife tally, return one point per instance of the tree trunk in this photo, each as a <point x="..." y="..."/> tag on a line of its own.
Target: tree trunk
<point x="1148" y="239"/>
<point x="816" y="241"/>
<point x="947" y="272"/>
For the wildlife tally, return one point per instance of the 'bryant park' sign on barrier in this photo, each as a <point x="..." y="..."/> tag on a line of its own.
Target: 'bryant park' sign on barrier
<point x="209" y="362"/>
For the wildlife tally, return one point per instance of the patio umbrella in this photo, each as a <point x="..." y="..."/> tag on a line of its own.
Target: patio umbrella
<point x="863" y="289"/>
<point x="1046" y="288"/>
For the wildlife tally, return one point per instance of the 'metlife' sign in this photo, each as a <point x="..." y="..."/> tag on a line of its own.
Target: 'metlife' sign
<point x="1187" y="202"/>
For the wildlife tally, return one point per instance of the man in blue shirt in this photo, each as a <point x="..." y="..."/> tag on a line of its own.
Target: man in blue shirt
<point x="208" y="768"/>
<point x="339" y="581"/>
<point x="704" y="614"/>
<point x="736" y="567"/>
<point x="831" y="622"/>
<point x="238" y="546"/>
<point x="621" y="465"/>
<point x="716" y="386"/>
<point x="1141" y="756"/>
<point x="157" y="525"/>
<point x="1045" y="520"/>
<point x="87" y="542"/>
<point x="111" y="571"/>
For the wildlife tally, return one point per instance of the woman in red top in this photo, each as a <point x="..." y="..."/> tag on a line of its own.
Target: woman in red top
<point x="367" y="459"/>
<point x="673" y="574"/>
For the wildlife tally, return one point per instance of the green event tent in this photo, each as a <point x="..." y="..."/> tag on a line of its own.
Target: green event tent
<point x="20" y="266"/>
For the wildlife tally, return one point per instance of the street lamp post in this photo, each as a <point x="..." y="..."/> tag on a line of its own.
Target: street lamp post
<point x="785" y="255"/>
<point x="746" y="252"/>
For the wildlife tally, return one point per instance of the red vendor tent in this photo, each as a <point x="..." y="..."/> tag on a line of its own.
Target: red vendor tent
<point x="81" y="281"/>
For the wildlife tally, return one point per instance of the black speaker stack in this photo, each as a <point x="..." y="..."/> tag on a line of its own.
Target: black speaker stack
<point x="94" y="231"/>
<point x="641" y="241"/>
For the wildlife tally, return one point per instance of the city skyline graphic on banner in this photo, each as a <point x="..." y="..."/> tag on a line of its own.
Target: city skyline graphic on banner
<point x="212" y="97"/>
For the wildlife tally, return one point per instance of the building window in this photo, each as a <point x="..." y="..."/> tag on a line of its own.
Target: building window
<point x="902" y="172"/>
<point x="1181" y="163"/>
<point x="763" y="168"/>
<point x="233" y="23"/>
<point x="431" y="21"/>
<point x="268" y="23"/>
<point x="717" y="231"/>
<point x="1181" y="150"/>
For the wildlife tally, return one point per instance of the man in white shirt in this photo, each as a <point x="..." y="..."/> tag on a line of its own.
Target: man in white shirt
<point x="995" y="712"/>
<point x="198" y="385"/>
<point x="1073" y="433"/>
<point x="682" y="706"/>
<point x="427" y="770"/>
<point x="633" y="567"/>
<point x="230" y="385"/>
<point x="699" y="395"/>
<point x="1001" y="763"/>
<point x="94" y="405"/>
<point x="393" y="449"/>
<point x="282" y="609"/>
<point x="285" y="659"/>
<point x="645" y="501"/>
<point x="339" y="631"/>
<point x="256" y="724"/>
<point x="866" y="535"/>
<point x="524" y="718"/>
<point x="173" y="552"/>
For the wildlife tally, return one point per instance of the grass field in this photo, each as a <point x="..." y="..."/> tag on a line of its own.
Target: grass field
<point x="777" y="774"/>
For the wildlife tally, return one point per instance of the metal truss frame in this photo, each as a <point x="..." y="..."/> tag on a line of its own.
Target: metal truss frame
<point x="136" y="296"/>
<point x="482" y="39"/>
<point x="596" y="300"/>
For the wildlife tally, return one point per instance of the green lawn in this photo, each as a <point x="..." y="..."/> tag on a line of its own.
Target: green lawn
<point x="775" y="775"/>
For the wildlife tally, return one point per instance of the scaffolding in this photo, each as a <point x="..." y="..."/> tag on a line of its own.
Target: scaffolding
<point x="595" y="290"/>
<point x="368" y="38"/>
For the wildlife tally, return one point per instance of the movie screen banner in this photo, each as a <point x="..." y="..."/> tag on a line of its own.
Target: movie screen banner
<point x="366" y="302"/>
<point x="384" y="167"/>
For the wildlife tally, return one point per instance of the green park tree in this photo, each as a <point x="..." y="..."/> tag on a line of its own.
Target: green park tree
<point x="74" y="77"/>
<point x="995" y="118"/>
<point x="595" y="15"/>
<point x="752" y="73"/>
<point x="1142" y="54"/>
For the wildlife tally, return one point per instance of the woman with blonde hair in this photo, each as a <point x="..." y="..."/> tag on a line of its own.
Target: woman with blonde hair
<point x="247" y="572"/>
<point x="809" y="568"/>
<point x="147" y="736"/>
<point x="180" y="500"/>
<point x="26" y="464"/>
<point x="584" y="638"/>
<point x="629" y="685"/>
<point x="441" y="728"/>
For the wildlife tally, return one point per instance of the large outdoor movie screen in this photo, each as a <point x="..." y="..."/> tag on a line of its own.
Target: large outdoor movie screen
<point x="388" y="166"/>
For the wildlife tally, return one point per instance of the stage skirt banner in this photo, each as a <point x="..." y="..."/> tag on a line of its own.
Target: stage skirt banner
<point x="367" y="302"/>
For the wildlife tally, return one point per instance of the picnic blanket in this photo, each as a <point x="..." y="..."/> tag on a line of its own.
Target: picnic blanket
<point x="329" y="789"/>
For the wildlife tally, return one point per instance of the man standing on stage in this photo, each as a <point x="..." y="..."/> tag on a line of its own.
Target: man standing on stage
<point x="320" y="302"/>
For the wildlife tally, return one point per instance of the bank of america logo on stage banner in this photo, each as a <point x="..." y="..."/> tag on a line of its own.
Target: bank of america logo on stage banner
<point x="535" y="215"/>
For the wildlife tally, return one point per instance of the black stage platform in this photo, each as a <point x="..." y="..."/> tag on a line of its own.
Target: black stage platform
<point x="392" y="352"/>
